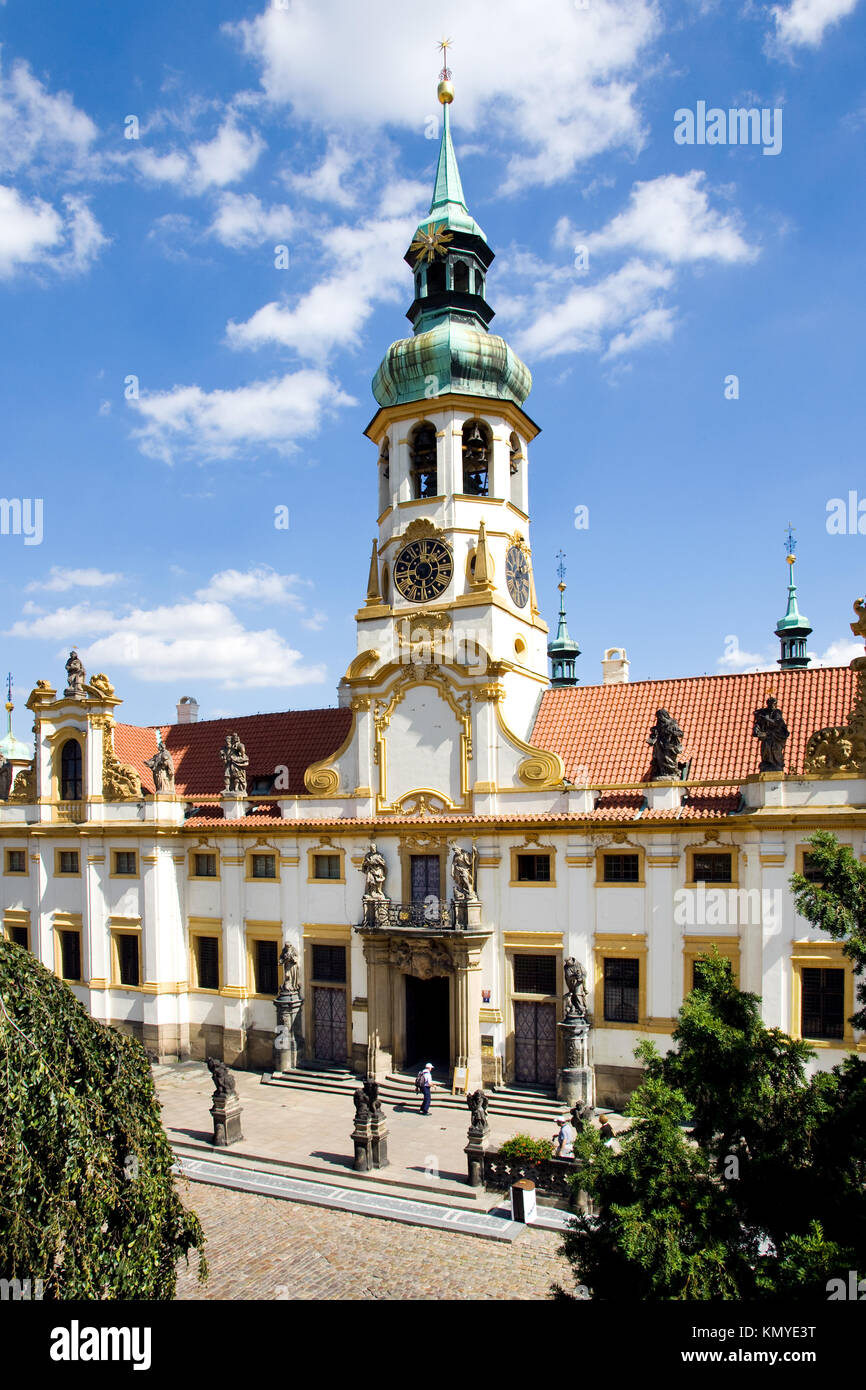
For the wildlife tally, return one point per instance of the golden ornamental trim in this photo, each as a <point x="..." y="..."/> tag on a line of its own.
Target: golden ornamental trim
<point x="24" y="786"/>
<point x="119" y="781"/>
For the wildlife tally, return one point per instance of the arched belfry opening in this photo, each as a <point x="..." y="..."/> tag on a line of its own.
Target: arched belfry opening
<point x="477" y="453"/>
<point x="461" y="277"/>
<point x="384" y="474"/>
<point x="423" y="464"/>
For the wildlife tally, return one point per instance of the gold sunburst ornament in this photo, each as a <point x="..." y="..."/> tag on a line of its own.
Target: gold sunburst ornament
<point x="428" y="245"/>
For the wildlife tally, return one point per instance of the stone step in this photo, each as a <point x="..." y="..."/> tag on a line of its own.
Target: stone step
<point x="513" y="1102"/>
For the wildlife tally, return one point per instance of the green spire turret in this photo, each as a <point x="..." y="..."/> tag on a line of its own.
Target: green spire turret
<point x="793" y="629"/>
<point x="563" y="651"/>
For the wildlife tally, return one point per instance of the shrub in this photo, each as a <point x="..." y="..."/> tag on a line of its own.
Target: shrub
<point x="523" y="1146"/>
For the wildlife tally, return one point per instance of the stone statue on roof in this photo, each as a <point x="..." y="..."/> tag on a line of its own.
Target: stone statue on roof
<point x="162" y="767"/>
<point x="235" y="762"/>
<point x="75" y="675"/>
<point x="771" y="729"/>
<point x="666" y="741"/>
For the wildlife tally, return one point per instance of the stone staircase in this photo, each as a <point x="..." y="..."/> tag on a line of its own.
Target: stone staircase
<point x="398" y="1088"/>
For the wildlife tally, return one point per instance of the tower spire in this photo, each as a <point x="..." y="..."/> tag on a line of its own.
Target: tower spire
<point x="793" y="629"/>
<point x="563" y="650"/>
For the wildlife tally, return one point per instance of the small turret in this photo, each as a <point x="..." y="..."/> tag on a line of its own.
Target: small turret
<point x="793" y="629"/>
<point x="563" y="651"/>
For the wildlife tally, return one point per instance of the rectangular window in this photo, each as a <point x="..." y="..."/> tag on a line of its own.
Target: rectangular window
<point x="126" y="862"/>
<point x="16" y="861"/>
<point x="205" y="865"/>
<point x="810" y="868"/>
<point x="425" y="877"/>
<point x="20" y="936"/>
<point x="712" y="868"/>
<point x="535" y="975"/>
<point x="326" y="866"/>
<point x="70" y="954"/>
<point x="264" y="866"/>
<point x="329" y="963"/>
<point x="127" y="958"/>
<point x="533" y="868"/>
<point x="265" y="964"/>
<point x="622" y="868"/>
<point x="823" y="1012"/>
<point x="207" y="959"/>
<point x="69" y="861"/>
<point x="621" y="982"/>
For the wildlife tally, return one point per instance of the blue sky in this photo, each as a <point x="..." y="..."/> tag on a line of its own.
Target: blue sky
<point x="313" y="125"/>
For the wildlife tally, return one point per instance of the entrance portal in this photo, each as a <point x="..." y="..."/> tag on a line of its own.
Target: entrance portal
<point x="428" y="1032"/>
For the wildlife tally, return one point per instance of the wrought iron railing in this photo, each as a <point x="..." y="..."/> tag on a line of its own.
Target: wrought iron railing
<point x="431" y="915"/>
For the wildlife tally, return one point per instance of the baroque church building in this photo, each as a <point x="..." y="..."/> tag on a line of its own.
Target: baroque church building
<point x="469" y="820"/>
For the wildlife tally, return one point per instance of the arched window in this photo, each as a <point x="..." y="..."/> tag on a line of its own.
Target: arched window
<point x="422" y="453"/>
<point x="70" y="771"/>
<point x="419" y="284"/>
<point x="515" y="453"/>
<point x="476" y="458"/>
<point x="384" y="474"/>
<point x="386" y="584"/>
<point x="436" y="277"/>
<point x="461" y="277"/>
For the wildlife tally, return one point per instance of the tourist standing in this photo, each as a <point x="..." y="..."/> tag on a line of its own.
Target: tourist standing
<point x="424" y="1084"/>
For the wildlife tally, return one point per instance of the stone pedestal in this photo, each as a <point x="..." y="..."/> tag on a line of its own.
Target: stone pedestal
<point x="288" y="1038"/>
<point x="226" y="1112"/>
<point x="362" y="1140"/>
<point x="234" y="805"/>
<point x="474" y="1151"/>
<point x="467" y="914"/>
<point x="575" y="1083"/>
<point x="378" y="1141"/>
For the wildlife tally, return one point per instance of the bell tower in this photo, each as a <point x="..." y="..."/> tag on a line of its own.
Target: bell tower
<point x="452" y="557"/>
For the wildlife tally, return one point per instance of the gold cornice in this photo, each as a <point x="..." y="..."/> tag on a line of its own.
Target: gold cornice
<point x="320" y="778"/>
<point x="488" y="406"/>
<point x="541" y="770"/>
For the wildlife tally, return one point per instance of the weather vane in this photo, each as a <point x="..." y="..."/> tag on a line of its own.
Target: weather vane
<point x="790" y="544"/>
<point x="9" y="687"/>
<point x="560" y="569"/>
<point x="443" y="46"/>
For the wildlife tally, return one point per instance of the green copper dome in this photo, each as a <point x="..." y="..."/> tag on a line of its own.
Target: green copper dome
<point x="459" y="357"/>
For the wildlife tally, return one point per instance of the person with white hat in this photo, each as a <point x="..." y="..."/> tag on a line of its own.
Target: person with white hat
<point x="564" y="1138"/>
<point x="424" y="1083"/>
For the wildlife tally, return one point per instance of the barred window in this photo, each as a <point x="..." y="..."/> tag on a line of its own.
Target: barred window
<point x="16" y="861"/>
<point x="69" y="861"/>
<point x="712" y="868"/>
<point x="207" y="958"/>
<point x="823" y="1011"/>
<point x="265" y="964"/>
<point x="535" y="975"/>
<point x="70" y="954"/>
<point x="533" y="868"/>
<point x="326" y="866"/>
<point x="125" y="862"/>
<point x="329" y="963"/>
<point x="205" y="866"/>
<point x="264" y="866"/>
<point x="622" y="868"/>
<point x="621" y="983"/>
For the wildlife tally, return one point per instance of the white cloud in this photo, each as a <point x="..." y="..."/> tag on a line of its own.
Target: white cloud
<point x="60" y="579"/>
<point x="369" y="270"/>
<point x="671" y="218"/>
<point x="229" y="156"/>
<point x="242" y="221"/>
<point x="556" y="88"/>
<point x="324" y="184"/>
<point x="734" y="659"/>
<point x="33" y="233"/>
<point x="41" y="129"/>
<point x="187" y="422"/>
<point x="803" y="23"/>
<point x="405" y="197"/>
<point x="667" y="224"/>
<point x="259" y="585"/>
<point x="174" y="642"/>
<point x="839" y="653"/>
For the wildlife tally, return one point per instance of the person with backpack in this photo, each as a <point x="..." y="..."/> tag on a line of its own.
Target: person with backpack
<point x="424" y="1084"/>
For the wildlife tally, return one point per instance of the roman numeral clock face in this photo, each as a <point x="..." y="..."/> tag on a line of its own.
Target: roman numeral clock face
<point x="517" y="575"/>
<point x="423" y="569"/>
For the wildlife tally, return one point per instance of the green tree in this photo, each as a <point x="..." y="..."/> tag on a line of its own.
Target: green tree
<point x="87" y="1198"/>
<point x="741" y="1177"/>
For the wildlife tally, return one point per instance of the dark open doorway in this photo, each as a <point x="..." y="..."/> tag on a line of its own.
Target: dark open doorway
<point x="428" y="1033"/>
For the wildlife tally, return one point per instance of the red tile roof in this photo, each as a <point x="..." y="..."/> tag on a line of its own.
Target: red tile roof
<point x="292" y="738"/>
<point x="600" y="731"/>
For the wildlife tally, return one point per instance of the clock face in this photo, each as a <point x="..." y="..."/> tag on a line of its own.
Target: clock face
<point x="423" y="569"/>
<point x="517" y="575"/>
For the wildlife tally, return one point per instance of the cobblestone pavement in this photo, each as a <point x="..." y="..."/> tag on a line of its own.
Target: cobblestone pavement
<point x="265" y="1248"/>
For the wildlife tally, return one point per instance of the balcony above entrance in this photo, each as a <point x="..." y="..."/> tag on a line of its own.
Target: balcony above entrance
<point x="431" y="917"/>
